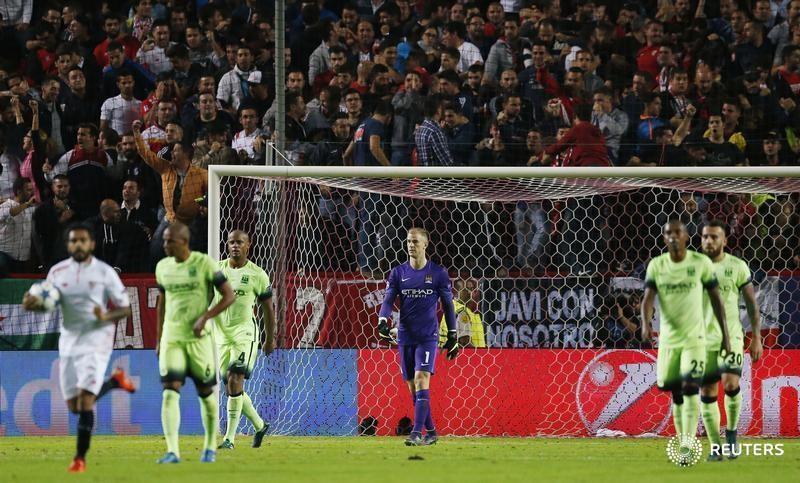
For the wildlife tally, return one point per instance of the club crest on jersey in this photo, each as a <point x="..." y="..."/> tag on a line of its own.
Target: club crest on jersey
<point x="690" y="271"/>
<point x="729" y="272"/>
<point x="617" y="392"/>
<point x="192" y="271"/>
<point x="428" y="278"/>
<point x="245" y="279"/>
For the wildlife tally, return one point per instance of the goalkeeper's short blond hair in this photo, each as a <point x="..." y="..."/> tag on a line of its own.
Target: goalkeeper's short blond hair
<point x="420" y="231"/>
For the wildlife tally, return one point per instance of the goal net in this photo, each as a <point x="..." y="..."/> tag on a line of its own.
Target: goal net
<point x="548" y="268"/>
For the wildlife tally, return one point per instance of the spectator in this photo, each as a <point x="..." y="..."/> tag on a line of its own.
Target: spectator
<point x="15" y="229"/>
<point x="80" y="106"/>
<point x="34" y="145"/>
<point x="509" y="52"/>
<point x="612" y="122"/>
<point x="471" y="333"/>
<point x="233" y="87"/>
<point x="133" y="210"/>
<point x="320" y="60"/>
<point x="721" y="152"/>
<point x="51" y="113"/>
<point x="455" y="34"/>
<point x="242" y="142"/>
<point x="143" y="80"/>
<point x="674" y="99"/>
<point x="112" y="28"/>
<point x="131" y="166"/>
<point x="156" y="133"/>
<point x="50" y="220"/>
<point x="650" y="118"/>
<point x="118" y="242"/>
<point x="120" y="111"/>
<point x="461" y="135"/>
<point x="337" y="61"/>
<point x="429" y="138"/>
<point x="185" y="72"/>
<point x="153" y="52"/>
<point x="85" y="165"/>
<point x="772" y="152"/>
<point x="9" y="172"/>
<point x="214" y="147"/>
<point x="182" y="185"/>
<point x="207" y="114"/>
<point x="407" y="116"/>
<point x="585" y="139"/>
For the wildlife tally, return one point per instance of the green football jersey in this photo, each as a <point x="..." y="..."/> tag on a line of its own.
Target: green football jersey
<point x="188" y="287"/>
<point x="680" y="288"/>
<point x="733" y="274"/>
<point x="250" y="284"/>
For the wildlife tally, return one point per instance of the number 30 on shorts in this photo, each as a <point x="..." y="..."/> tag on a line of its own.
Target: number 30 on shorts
<point x="733" y="359"/>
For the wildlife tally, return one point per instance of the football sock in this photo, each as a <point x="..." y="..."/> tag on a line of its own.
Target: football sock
<point x="429" y="427"/>
<point x="691" y="406"/>
<point x="710" y="412"/>
<point x="677" y="411"/>
<point x="209" y="412"/>
<point x="234" y="414"/>
<point x="733" y="406"/>
<point x="421" y="408"/>
<point x="110" y="384"/>
<point x="250" y="412"/>
<point x="85" y="426"/>
<point x="171" y="419"/>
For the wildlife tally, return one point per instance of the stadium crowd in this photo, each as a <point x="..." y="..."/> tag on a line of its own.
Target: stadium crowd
<point x="390" y="82"/>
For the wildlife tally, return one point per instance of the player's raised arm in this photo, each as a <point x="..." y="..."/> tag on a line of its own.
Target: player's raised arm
<point x="225" y="289"/>
<point x="445" y="289"/>
<point x="754" y="314"/>
<point x="392" y="290"/>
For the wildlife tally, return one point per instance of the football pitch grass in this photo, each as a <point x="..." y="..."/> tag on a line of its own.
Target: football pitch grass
<point x="380" y="459"/>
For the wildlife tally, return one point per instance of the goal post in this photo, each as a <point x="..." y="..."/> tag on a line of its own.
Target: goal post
<point x="541" y="258"/>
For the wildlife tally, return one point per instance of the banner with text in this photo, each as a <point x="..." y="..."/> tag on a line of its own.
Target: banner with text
<point x="542" y="312"/>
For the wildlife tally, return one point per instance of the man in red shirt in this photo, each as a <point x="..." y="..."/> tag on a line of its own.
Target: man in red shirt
<point x="111" y="26"/>
<point x="585" y="139"/>
<point x="647" y="57"/>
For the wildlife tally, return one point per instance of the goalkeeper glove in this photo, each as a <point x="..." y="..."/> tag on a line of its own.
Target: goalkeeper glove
<point x="383" y="331"/>
<point x="451" y="346"/>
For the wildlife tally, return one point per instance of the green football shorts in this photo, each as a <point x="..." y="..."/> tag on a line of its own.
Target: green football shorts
<point x="676" y="365"/>
<point x="196" y="358"/>
<point x="238" y="356"/>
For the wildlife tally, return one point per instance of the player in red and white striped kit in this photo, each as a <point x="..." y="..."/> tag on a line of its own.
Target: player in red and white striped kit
<point x="87" y="285"/>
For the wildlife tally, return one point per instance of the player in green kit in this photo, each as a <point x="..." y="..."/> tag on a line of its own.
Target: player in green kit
<point x="238" y="336"/>
<point x="679" y="278"/>
<point x="733" y="275"/>
<point x="186" y="280"/>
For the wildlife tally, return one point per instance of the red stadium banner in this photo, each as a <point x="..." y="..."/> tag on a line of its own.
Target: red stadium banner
<point x="332" y="313"/>
<point x="578" y="392"/>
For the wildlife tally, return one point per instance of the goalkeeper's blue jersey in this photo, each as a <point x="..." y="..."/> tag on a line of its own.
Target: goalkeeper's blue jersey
<point x="419" y="291"/>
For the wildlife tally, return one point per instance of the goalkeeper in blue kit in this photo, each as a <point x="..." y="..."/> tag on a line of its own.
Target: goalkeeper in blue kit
<point x="421" y="284"/>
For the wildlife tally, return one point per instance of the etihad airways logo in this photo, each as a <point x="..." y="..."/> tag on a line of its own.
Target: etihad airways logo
<point x="416" y="293"/>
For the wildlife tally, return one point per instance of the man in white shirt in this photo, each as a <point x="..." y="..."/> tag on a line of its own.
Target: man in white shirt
<point x="243" y="140"/>
<point x="15" y="227"/>
<point x="233" y="87"/>
<point x="87" y="285"/>
<point x="120" y="111"/>
<point x="153" y="53"/>
<point x="454" y="36"/>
